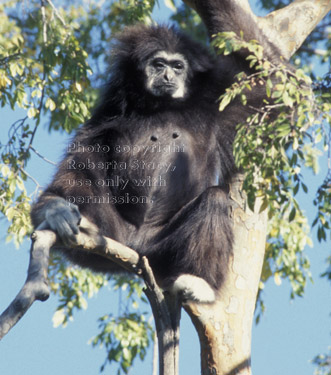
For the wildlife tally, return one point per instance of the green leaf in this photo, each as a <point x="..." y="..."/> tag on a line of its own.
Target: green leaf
<point x="58" y="318"/>
<point x="283" y="130"/>
<point x="292" y="214"/>
<point x="224" y="102"/>
<point x="264" y="205"/>
<point x="171" y="5"/>
<point x="32" y="112"/>
<point x="50" y="104"/>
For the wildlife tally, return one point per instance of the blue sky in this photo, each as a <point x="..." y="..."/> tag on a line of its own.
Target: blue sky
<point x="289" y="335"/>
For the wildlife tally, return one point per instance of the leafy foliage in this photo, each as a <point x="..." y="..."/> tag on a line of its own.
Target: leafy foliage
<point x="124" y="337"/>
<point x="190" y="22"/>
<point x="323" y="363"/>
<point x="273" y="146"/>
<point x="73" y="286"/>
<point x="128" y="335"/>
<point x="46" y="58"/>
<point x="45" y="69"/>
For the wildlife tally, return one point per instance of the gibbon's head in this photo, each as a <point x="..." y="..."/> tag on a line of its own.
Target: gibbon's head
<point x="158" y="60"/>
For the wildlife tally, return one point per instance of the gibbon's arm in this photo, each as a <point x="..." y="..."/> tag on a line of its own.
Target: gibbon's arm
<point x="56" y="210"/>
<point x="285" y="29"/>
<point x="235" y="16"/>
<point x="58" y="215"/>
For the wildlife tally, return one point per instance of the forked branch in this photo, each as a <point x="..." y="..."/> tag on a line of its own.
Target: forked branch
<point x="286" y="28"/>
<point x="36" y="288"/>
<point x="166" y="309"/>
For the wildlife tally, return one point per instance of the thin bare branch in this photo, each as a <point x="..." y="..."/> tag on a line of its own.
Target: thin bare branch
<point x="44" y="24"/>
<point x="58" y="15"/>
<point x="41" y="156"/>
<point x="6" y="59"/>
<point x="30" y="177"/>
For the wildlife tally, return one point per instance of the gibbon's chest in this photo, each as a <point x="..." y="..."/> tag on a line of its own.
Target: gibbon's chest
<point x="168" y="153"/>
<point x="161" y="163"/>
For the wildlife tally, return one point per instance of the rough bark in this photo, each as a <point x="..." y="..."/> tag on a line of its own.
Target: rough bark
<point x="286" y="28"/>
<point x="225" y="328"/>
<point x="166" y="312"/>
<point x="289" y="27"/>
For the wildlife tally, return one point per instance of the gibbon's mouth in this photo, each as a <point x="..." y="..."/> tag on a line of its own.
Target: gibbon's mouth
<point x="166" y="86"/>
<point x="165" y="89"/>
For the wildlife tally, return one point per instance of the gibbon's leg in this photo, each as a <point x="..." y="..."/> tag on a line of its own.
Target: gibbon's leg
<point x="191" y="253"/>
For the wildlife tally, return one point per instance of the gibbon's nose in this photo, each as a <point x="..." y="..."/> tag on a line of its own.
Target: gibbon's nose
<point x="168" y="74"/>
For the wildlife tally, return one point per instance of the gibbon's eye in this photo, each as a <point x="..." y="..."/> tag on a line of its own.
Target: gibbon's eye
<point x="178" y="65"/>
<point x="158" y="63"/>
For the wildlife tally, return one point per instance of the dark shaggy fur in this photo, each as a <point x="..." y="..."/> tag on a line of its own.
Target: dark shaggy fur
<point x="181" y="219"/>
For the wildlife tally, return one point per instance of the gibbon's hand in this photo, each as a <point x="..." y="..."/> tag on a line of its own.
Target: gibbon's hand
<point x="63" y="218"/>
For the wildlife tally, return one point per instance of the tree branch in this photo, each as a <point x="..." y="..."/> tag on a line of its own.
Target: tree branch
<point x="288" y="28"/>
<point x="35" y="287"/>
<point x="166" y="308"/>
<point x="58" y="15"/>
<point x="166" y="311"/>
<point x="41" y="156"/>
<point x="6" y="59"/>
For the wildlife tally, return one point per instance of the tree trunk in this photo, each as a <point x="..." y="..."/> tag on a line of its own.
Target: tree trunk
<point x="224" y="328"/>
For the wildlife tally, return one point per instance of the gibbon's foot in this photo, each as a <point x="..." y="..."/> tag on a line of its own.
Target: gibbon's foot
<point x="193" y="288"/>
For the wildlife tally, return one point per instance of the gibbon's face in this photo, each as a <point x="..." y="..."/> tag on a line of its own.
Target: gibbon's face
<point x="166" y="75"/>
